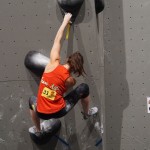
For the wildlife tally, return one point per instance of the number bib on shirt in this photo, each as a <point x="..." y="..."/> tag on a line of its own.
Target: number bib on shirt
<point x="48" y="93"/>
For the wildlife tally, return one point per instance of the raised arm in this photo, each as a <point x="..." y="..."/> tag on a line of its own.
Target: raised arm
<point x="55" y="51"/>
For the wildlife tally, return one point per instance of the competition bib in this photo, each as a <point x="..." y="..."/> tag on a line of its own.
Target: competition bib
<point x="48" y="93"/>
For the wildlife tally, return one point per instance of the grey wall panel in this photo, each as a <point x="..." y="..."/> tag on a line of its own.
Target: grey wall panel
<point x="14" y="117"/>
<point x="32" y="25"/>
<point x="126" y="40"/>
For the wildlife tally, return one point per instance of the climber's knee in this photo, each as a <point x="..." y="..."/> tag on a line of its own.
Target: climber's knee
<point x="82" y="90"/>
<point x="32" y="103"/>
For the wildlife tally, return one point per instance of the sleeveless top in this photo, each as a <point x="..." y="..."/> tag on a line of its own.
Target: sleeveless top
<point x="51" y="89"/>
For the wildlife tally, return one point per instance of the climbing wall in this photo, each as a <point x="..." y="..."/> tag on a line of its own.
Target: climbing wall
<point x="32" y="25"/>
<point x="127" y="82"/>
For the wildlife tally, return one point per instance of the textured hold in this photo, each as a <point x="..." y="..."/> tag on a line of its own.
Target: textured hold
<point x="36" y="62"/>
<point x="50" y="128"/>
<point x="72" y="6"/>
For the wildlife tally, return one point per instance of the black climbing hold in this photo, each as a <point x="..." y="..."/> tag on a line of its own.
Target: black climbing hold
<point x="71" y="6"/>
<point x="49" y="127"/>
<point x="36" y="62"/>
<point x="99" y="6"/>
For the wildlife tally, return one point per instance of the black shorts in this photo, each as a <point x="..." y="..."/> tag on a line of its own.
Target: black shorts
<point x="81" y="91"/>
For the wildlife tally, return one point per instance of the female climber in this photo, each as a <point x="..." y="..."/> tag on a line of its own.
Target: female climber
<point x="56" y="80"/>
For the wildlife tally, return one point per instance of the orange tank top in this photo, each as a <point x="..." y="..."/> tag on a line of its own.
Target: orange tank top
<point x="51" y="89"/>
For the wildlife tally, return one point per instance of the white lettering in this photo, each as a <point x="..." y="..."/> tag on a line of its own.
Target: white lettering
<point x="53" y="87"/>
<point x="44" y="82"/>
